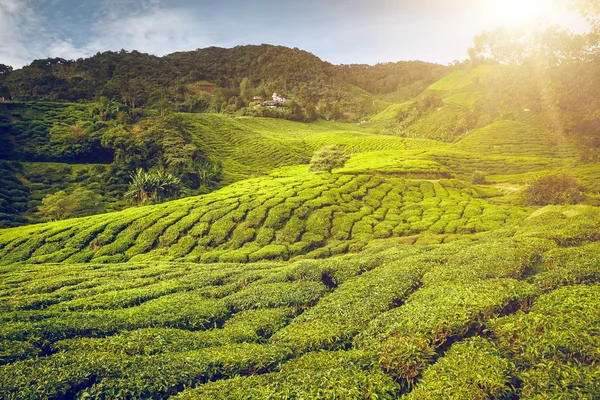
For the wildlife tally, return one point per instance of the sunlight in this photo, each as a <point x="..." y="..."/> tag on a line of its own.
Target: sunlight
<point x="523" y="11"/>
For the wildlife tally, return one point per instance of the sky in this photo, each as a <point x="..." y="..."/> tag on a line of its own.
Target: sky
<point x="338" y="31"/>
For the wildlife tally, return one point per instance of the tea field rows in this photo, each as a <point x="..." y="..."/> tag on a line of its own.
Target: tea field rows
<point x="477" y="317"/>
<point x="392" y="277"/>
<point x="316" y="215"/>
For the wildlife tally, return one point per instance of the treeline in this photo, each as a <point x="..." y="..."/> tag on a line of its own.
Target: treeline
<point x="215" y="80"/>
<point x="93" y="147"/>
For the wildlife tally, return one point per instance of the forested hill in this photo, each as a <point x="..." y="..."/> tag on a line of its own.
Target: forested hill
<point x="233" y="75"/>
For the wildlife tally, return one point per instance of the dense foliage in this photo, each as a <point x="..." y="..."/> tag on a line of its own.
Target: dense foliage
<point x="419" y="262"/>
<point x="80" y="203"/>
<point x="328" y="158"/>
<point x="554" y="189"/>
<point x="217" y="79"/>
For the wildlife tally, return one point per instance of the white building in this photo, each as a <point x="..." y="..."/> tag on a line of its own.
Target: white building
<point x="279" y="97"/>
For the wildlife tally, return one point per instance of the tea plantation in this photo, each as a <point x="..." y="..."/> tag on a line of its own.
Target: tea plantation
<point x="392" y="277"/>
<point x="415" y="271"/>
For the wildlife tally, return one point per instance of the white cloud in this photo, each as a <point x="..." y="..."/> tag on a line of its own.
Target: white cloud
<point x="157" y="31"/>
<point x="17" y="26"/>
<point x="141" y="25"/>
<point x="65" y="49"/>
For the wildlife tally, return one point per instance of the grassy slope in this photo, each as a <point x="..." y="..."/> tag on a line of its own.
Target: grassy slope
<point x="242" y="143"/>
<point x="390" y="277"/>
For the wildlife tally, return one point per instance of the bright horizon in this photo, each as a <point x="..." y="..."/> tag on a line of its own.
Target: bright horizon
<point x="340" y="32"/>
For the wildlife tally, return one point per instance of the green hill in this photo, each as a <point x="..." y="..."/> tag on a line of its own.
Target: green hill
<point x="266" y="218"/>
<point x="366" y="323"/>
<point x="416" y="270"/>
<point x="392" y="276"/>
<point x="516" y="139"/>
<point x="211" y="79"/>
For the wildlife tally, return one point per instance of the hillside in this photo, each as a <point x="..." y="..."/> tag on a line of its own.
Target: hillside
<point x="354" y="325"/>
<point x="419" y="269"/>
<point x="218" y="79"/>
<point x="393" y="276"/>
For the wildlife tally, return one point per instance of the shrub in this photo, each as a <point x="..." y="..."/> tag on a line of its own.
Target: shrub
<point x="79" y="203"/>
<point x="554" y="189"/>
<point x="405" y="357"/>
<point x="469" y="370"/>
<point x="555" y="346"/>
<point x="297" y="294"/>
<point x="320" y="375"/>
<point x="328" y="158"/>
<point x="336" y="319"/>
<point x="478" y="178"/>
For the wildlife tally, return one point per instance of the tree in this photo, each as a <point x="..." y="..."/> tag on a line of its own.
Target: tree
<point x="152" y="187"/>
<point x="544" y="46"/>
<point x="168" y="186"/>
<point x="310" y="112"/>
<point x="177" y="155"/>
<point x="5" y="70"/>
<point x="128" y="148"/>
<point x="209" y="173"/>
<point x="305" y="96"/>
<point x="590" y="9"/>
<point x="79" y="203"/>
<point x="328" y="158"/>
<point x="295" y="111"/>
<point x="245" y="88"/>
<point x="68" y="142"/>
<point x="554" y="189"/>
<point x="141" y="186"/>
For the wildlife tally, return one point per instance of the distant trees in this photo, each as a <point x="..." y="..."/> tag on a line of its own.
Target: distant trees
<point x="79" y="203"/>
<point x="69" y="142"/>
<point x="245" y="89"/>
<point x="478" y="178"/>
<point x="5" y="69"/>
<point x="129" y="149"/>
<point x="545" y="46"/>
<point x="552" y="72"/>
<point x="590" y="9"/>
<point x="219" y="80"/>
<point x="328" y="158"/>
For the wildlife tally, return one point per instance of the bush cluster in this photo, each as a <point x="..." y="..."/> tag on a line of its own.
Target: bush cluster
<point x="554" y="189"/>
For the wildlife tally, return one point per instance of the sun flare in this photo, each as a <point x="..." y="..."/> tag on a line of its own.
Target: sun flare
<point x="523" y="11"/>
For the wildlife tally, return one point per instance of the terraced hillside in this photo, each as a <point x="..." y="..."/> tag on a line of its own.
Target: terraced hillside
<point x="476" y="317"/>
<point x="415" y="271"/>
<point x="242" y="143"/>
<point x="266" y="218"/>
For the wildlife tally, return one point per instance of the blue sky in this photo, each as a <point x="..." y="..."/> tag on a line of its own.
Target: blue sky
<point x="338" y="31"/>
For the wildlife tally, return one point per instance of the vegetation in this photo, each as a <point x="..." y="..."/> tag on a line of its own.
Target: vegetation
<point x="156" y="186"/>
<point x="221" y="80"/>
<point x="439" y="252"/>
<point x="554" y="189"/>
<point x="61" y="205"/>
<point x="328" y="158"/>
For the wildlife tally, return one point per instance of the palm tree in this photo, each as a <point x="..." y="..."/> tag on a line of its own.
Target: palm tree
<point x="209" y="173"/>
<point x="156" y="186"/>
<point x="167" y="185"/>
<point x="141" y="187"/>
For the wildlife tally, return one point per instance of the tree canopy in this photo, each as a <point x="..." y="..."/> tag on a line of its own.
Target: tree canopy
<point x="216" y="79"/>
<point x="328" y="158"/>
